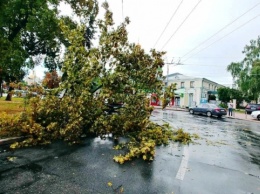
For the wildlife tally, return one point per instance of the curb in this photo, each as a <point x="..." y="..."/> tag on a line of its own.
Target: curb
<point x="10" y="140"/>
<point x="250" y="120"/>
<point x="171" y="108"/>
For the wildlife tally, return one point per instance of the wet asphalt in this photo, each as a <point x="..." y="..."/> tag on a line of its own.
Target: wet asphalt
<point x="224" y="159"/>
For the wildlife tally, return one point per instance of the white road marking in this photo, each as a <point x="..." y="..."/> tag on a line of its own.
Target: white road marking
<point x="184" y="164"/>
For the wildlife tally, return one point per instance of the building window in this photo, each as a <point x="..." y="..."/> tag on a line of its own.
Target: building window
<point x="192" y="84"/>
<point x="182" y="84"/>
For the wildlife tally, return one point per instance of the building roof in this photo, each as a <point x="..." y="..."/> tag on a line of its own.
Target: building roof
<point x="179" y="76"/>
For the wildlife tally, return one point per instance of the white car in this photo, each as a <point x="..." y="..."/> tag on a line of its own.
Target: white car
<point x="256" y="114"/>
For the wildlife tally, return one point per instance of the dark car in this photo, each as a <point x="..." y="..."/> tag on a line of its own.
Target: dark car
<point x="252" y="107"/>
<point x="208" y="109"/>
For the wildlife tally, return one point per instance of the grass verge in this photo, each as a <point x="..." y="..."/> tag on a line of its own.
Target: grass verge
<point x="12" y="107"/>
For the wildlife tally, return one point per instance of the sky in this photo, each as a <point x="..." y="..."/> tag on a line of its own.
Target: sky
<point x="201" y="37"/>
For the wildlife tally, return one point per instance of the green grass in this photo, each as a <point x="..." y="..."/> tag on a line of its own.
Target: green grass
<point x="240" y="110"/>
<point x="11" y="107"/>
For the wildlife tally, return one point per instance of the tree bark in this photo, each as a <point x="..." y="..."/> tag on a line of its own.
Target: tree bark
<point x="1" y="88"/>
<point x="9" y="95"/>
<point x="1" y="83"/>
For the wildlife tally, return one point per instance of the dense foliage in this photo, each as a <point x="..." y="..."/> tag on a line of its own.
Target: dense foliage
<point x="51" y="80"/>
<point x="122" y="72"/>
<point x="27" y="28"/>
<point x="227" y="94"/>
<point x="30" y="33"/>
<point x="247" y="72"/>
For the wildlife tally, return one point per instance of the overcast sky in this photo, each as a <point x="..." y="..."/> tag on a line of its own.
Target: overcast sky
<point x="203" y="35"/>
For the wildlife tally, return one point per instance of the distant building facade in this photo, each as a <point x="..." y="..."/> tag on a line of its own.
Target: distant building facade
<point x="191" y="91"/>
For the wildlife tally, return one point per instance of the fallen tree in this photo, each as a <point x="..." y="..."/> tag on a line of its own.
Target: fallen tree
<point x="125" y="72"/>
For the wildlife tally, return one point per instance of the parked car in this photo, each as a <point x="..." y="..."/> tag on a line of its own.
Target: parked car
<point x="252" y="107"/>
<point x="20" y="93"/>
<point x="208" y="109"/>
<point x="256" y="114"/>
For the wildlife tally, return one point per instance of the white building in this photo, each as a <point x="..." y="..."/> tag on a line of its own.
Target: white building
<point x="192" y="91"/>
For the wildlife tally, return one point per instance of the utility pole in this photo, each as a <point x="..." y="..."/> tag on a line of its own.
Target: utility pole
<point x="168" y="64"/>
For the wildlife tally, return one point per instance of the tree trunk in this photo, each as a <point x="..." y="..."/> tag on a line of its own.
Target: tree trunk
<point x="9" y="96"/>
<point x="1" y="88"/>
<point x="1" y="83"/>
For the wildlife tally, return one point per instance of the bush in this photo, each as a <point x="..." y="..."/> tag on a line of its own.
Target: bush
<point x="223" y="105"/>
<point x="10" y="125"/>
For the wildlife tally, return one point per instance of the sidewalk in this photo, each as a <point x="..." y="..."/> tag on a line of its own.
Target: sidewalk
<point x="236" y="115"/>
<point x="242" y="116"/>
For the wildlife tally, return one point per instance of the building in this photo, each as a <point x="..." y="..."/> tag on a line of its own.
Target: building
<point x="191" y="91"/>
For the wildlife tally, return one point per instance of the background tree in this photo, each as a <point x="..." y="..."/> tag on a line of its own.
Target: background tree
<point x="238" y="95"/>
<point x="227" y="94"/>
<point x="31" y="28"/>
<point x="27" y="28"/>
<point x="51" y="80"/>
<point x="224" y="94"/>
<point x="247" y="72"/>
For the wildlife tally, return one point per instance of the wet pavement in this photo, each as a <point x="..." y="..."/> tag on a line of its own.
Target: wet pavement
<point x="235" y="115"/>
<point x="224" y="159"/>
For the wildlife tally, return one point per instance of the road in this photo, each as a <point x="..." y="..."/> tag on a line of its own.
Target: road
<point x="224" y="159"/>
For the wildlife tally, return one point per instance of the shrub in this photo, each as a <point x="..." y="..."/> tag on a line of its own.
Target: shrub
<point x="223" y="105"/>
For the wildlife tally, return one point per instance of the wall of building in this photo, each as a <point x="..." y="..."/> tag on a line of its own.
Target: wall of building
<point x="192" y="91"/>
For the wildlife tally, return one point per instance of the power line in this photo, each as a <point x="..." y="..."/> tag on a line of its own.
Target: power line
<point x="181" y="24"/>
<point x="202" y="65"/>
<point x="223" y="36"/>
<point x="168" y="24"/>
<point x="221" y="30"/>
<point x="218" y="57"/>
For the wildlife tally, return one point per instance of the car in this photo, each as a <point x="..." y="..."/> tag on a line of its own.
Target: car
<point x="20" y="93"/>
<point x="256" y="114"/>
<point x="208" y="109"/>
<point x="251" y="107"/>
